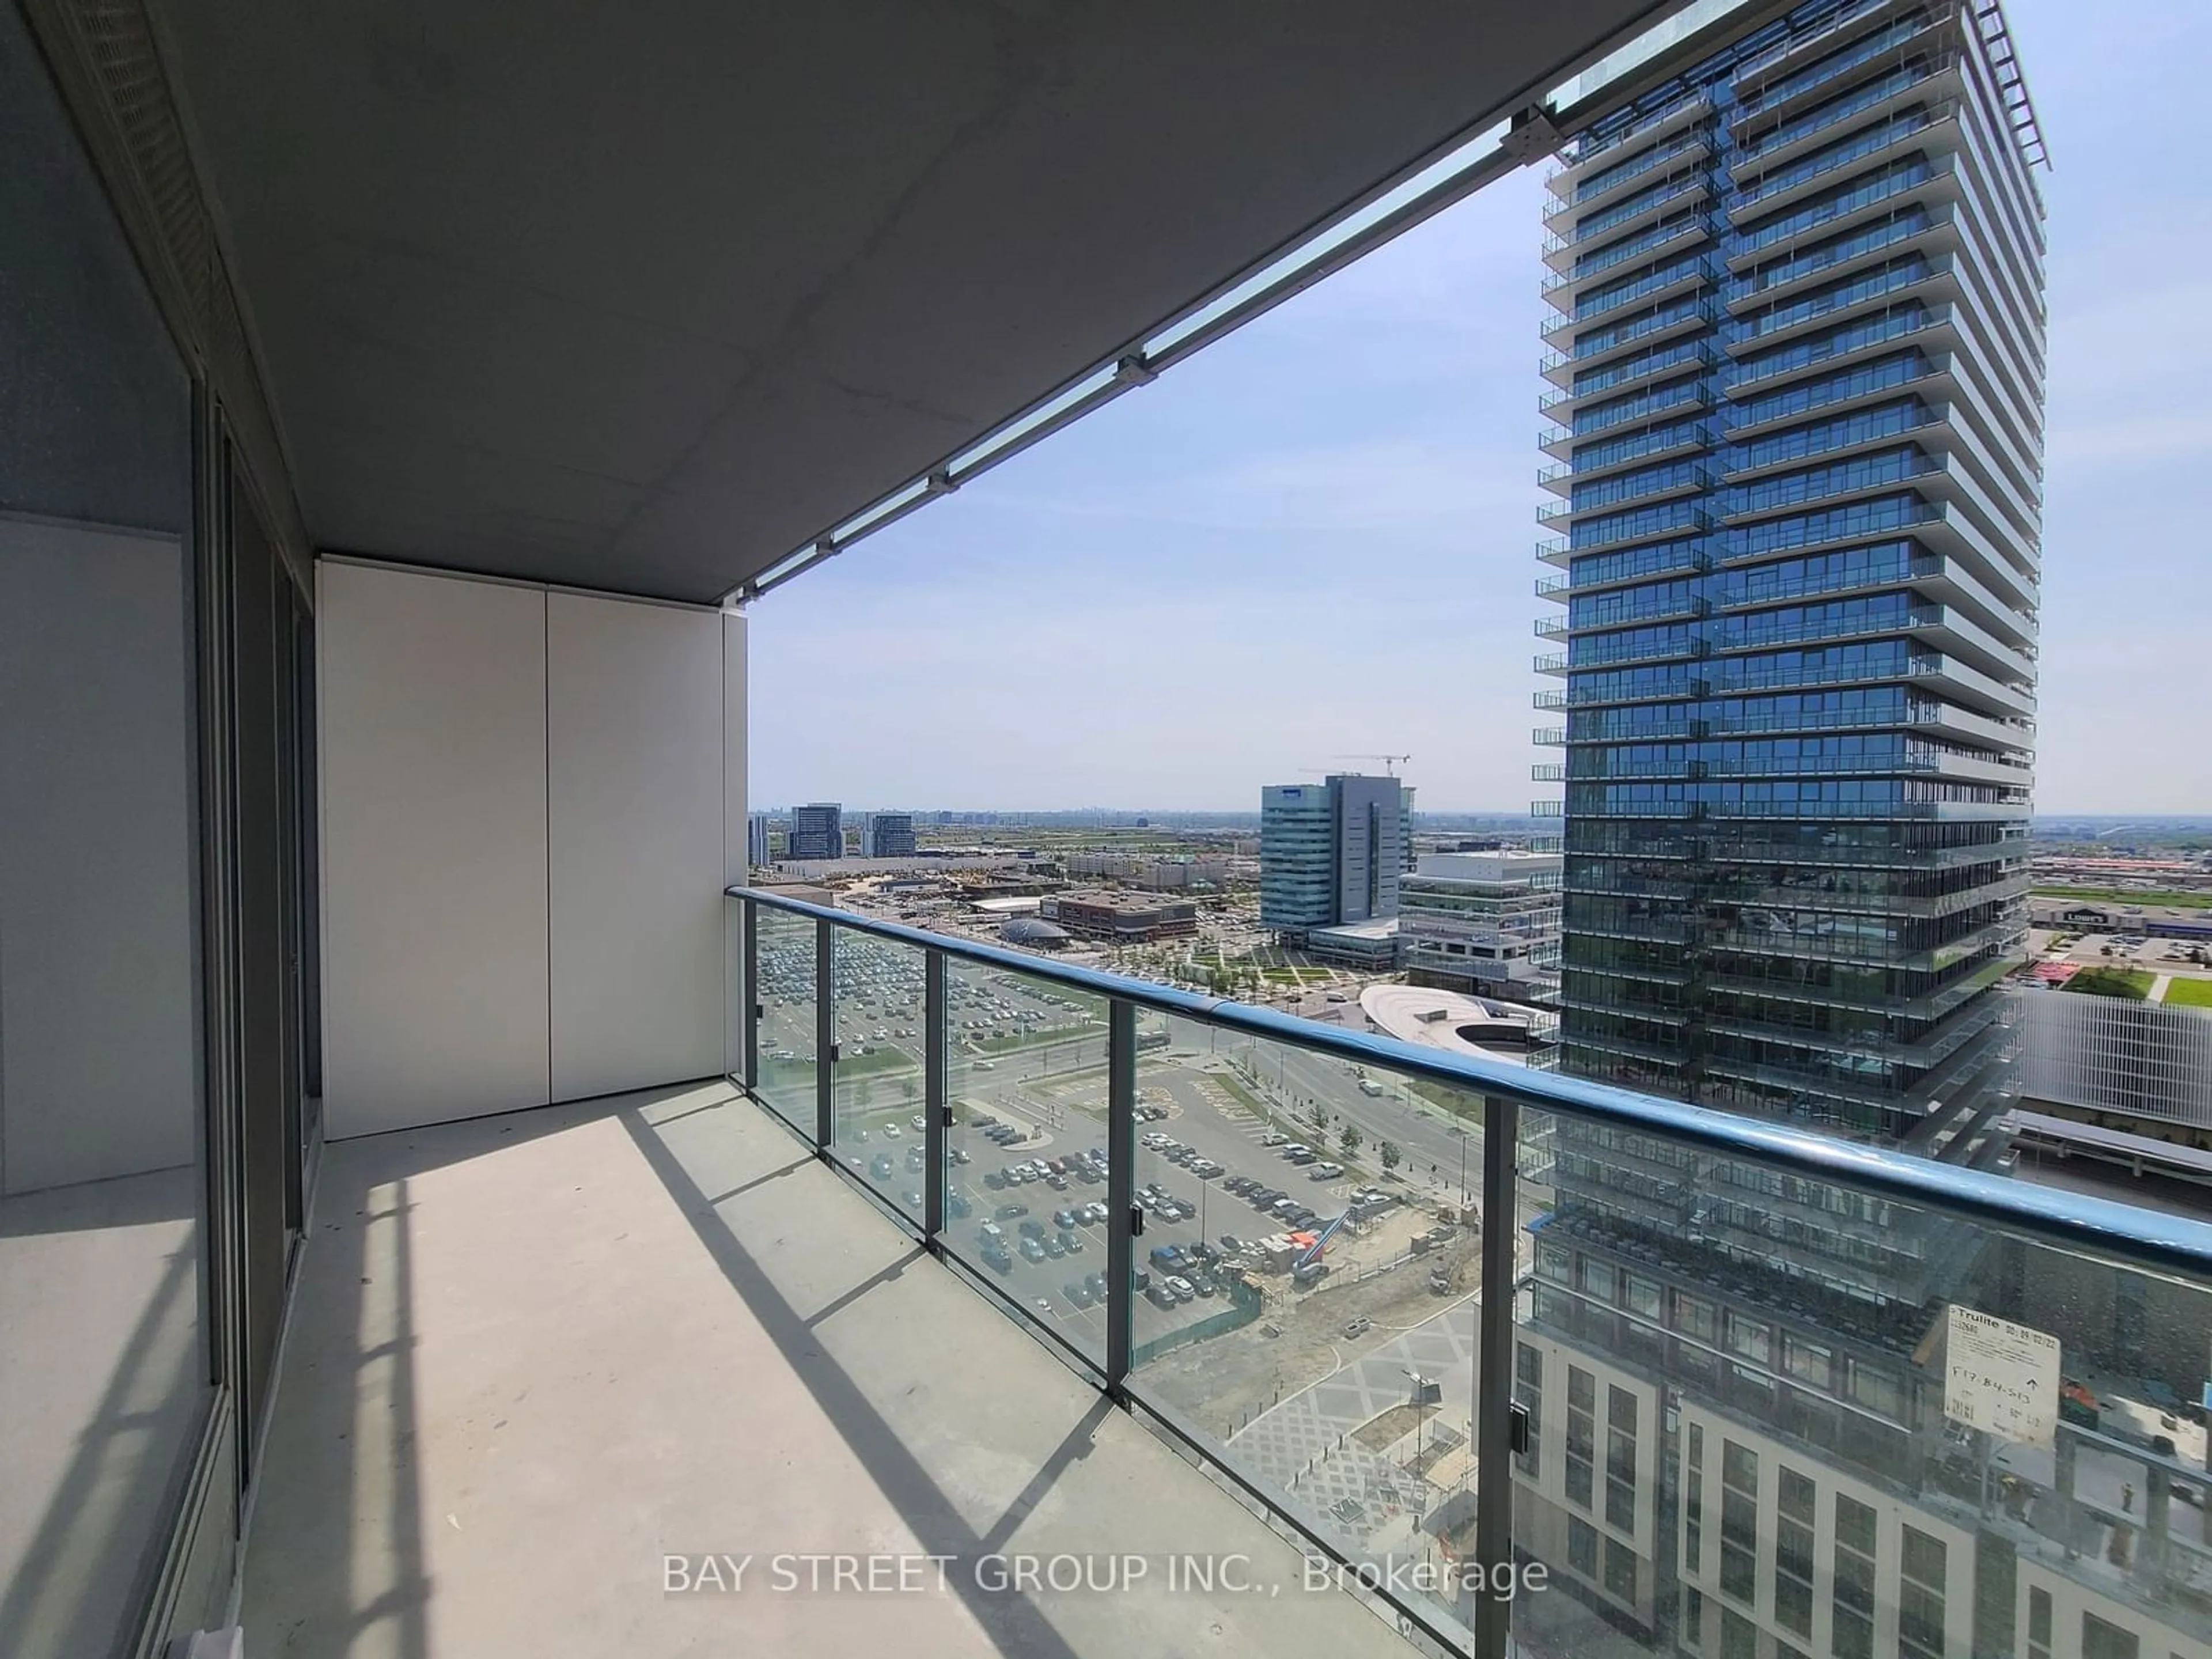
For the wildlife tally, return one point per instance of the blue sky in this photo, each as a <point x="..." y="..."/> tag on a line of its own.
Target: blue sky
<point x="1315" y="539"/>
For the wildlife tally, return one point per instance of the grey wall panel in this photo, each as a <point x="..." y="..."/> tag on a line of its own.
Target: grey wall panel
<point x="736" y="865"/>
<point x="634" y="702"/>
<point x="98" y="1031"/>
<point x="434" y="777"/>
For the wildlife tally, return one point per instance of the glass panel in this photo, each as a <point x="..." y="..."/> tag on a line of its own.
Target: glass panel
<point x="1025" y="1200"/>
<point x="787" y="1032"/>
<point x="1309" y="1310"/>
<point x="104" y="1351"/>
<point x="1917" y="1433"/>
<point x="876" y="1125"/>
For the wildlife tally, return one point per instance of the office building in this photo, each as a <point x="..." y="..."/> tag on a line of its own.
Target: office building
<point x="818" y="831"/>
<point x="2143" y="1069"/>
<point x="1797" y="430"/>
<point x="889" y="835"/>
<point x="757" y="840"/>
<point x="1332" y="853"/>
<point x="1372" y="947"/>
<point x="1484" y="923"/>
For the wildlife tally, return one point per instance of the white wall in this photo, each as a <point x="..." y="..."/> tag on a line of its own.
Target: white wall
<point x="526" y="828"/>
<point x="98" y="1033"/>
<point x="435" y="963"/>
<point x="635" y="709"/>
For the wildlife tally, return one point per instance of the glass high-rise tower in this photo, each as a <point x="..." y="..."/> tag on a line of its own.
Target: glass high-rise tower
<point x="1797" y="429"/>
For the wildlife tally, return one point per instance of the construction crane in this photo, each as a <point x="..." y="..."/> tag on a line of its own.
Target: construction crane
<point x="1389" y="761"/>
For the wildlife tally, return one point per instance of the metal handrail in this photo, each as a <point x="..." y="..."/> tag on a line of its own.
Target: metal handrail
<point x="2148" y="1238"/>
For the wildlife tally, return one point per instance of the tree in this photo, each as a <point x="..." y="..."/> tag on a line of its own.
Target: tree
<point x="1349" y="1140"/>
<point x="1388" y="1152"/>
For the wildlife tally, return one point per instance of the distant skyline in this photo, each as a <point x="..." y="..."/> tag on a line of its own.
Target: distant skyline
<point x="1313" y="541"/>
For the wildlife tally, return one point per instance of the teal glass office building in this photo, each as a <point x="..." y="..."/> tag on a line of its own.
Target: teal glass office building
<point x="1795" y="435"/>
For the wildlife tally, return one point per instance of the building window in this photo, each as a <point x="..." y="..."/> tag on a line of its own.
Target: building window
<point x="1875" y="1390"/>
<point x="1620" y="1570"/>
<point x="2038" y="1623"/>
<point x="1642" y="1297"/>
<point x="1528" y="1389"/>
<point x="1739" y="1635"/>
<point x="1620" y="1460"/>
<point x="1582" y="1435"/>
<point x="1696" y="1318"/>
<point x="1694" y="1618"/>
<point x="1582" y="1547"/>
<point x="1852" y="1637"/>
<point x="2100" y="1640"/>
<point x="1747" y="1338"/>
<point x="1920" y="1596"/>
<point x="1808" y="1362"/>
<point x="1739" y="1522"/>
<point x="1793" y="1604"/>
<point x="1694" y="1504"/>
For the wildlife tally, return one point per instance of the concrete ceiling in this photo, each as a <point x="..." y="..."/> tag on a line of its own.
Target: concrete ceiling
<point x="643" y="296"/>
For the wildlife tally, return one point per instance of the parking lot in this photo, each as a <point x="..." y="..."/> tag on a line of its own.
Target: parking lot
<point x="1027" y="1074"/>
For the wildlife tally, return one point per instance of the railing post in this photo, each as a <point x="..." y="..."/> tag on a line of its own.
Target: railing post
<point x="1121" y="1190"/>
<point x="936" y="1101"/>
<point x="748" y="960"/>
<point x="1493" y="1382"/>
<point x="825" y="1034"/>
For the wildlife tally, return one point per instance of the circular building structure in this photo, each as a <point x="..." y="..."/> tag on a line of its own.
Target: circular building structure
<point x="1036" y="933"/>
<point x="1476" y="1027"/>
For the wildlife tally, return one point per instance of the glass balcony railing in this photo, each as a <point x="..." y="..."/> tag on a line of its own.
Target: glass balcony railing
<point x="1506" y="1347"/>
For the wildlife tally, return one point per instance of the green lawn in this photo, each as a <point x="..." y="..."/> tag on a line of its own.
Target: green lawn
<point x="2130" y="983"/>
<point x="2189" y="994"/>
<point x="2129" y="896"/>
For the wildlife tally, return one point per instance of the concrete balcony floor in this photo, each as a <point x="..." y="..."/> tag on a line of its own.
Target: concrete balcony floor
<point x="532" y="1356"/>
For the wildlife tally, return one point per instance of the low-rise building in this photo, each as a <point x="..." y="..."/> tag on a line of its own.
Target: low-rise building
<point x="1370" y="946"/>
<point x="1124" y="918"/>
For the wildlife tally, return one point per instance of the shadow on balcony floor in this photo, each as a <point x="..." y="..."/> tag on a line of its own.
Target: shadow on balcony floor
<point x="533" y="1357"/>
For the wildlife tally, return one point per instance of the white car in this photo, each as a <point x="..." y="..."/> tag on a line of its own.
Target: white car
<point x="891" y="1132"/>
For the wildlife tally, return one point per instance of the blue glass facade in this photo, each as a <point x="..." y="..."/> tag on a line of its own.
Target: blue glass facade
<point x="1798" y="374"/>
<point x="1332" y="853"/>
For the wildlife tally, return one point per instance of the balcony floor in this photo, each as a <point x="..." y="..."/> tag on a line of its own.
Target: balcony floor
<point x="530" y="1356"/>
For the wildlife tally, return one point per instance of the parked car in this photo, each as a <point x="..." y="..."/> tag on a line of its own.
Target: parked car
<point x="1012" y="1211"/>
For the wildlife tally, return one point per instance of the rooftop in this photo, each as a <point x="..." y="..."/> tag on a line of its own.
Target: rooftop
<point x="1475" y="1028"/>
